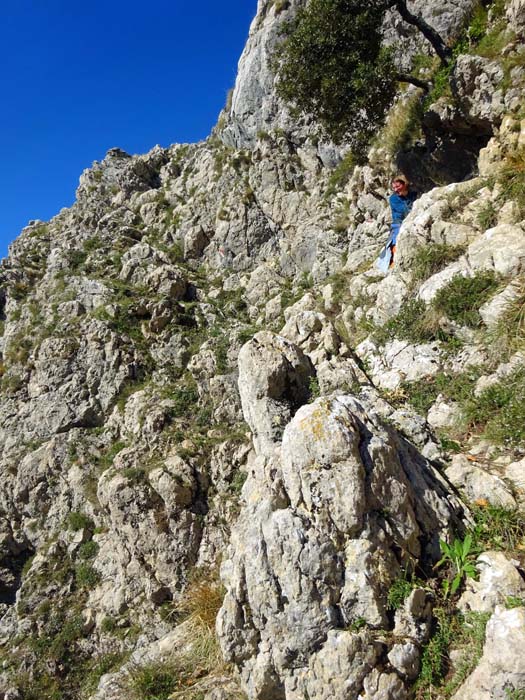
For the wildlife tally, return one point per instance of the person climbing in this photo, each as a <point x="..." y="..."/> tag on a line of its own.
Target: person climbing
<point x="401" y="202"/>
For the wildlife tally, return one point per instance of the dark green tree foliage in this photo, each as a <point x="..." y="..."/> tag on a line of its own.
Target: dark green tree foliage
<point x="332" y="66"/>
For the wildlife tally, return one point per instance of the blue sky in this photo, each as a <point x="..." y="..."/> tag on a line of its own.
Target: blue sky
<point x="79" y="78"/>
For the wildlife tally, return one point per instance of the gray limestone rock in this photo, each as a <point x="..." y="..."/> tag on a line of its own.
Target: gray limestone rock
<point x="273" y="383"/>
<point x="353" y="489"/>
<point x="499" y="579"/>
<point x="501" y="669"/>
<point x="479" y="483"/>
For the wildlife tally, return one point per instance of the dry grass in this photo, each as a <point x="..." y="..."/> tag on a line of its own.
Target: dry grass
<point x="403" y="125"/>
<point x="202" y="599"/>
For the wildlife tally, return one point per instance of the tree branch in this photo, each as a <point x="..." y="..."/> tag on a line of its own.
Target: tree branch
<point x="430" y="34"/>
<point x="407" y="78"/>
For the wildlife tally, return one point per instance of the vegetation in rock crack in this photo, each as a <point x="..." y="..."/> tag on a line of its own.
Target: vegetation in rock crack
<point x="511" y="179"/>
<point x="457" y="387"/>
<point x="459" y="555"/>
<point x="508" y="335"/>
<point x="431" y="259"/>
<point x="498" y="528"/>
<point x="499" y="410"/>
<point x="177" y="675"/>
<point x="414" y="322"/>
<point x="463" y="634"/>
<point x="401" y="588"/>
<point x="461" y="298"/>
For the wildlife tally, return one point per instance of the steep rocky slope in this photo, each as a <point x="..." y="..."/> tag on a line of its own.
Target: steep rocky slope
<point x="203" y="368"/>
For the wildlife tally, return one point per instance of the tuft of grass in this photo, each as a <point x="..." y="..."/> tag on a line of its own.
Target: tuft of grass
<point x="511" y="179"/>
<point x="177" y="676"/>
<point x="403" y="126"/>
<point x="454" y="387"/>
<point x="487" y="216"/>
<point x="498" y="528"/>
<point x="86" y="576"/>
<point x="78" y="521"/>
<point x="413" y="323"/>
<point x="431" y="259"/>
<point x="155" y="681"/>
<point x="202" y="599"/>
<point x="461" y="298"/>
<point x="509" y="334"/>
<point x="341" y="175"/>
<point x="500" y="410"/>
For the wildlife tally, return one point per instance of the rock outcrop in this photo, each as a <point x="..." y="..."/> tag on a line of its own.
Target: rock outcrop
<point x="202" y="366"/>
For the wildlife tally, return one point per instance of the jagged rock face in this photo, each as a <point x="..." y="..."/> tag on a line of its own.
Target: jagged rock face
<point x="355" y="503"/>
<point x="122" y="402"/>
<point x="254" y="104"/>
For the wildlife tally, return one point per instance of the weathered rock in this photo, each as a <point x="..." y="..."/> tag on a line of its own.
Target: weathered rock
<point x="273" y="383"/>
<point x="331" y="537"/>
<point x="498" y="580"/>
<point x="479" y="483"/>
<point x="501" y="670"/>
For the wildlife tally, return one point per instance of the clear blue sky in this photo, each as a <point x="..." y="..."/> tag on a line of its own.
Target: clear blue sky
<point x="79" y="78"/>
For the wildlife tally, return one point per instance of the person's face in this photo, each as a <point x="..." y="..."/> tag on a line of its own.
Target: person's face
<point x="399" y="187"/>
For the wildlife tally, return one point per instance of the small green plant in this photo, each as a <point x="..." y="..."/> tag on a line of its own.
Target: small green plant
<point x="358" y="624"/>
<point x="237" y="482"/>
<point x="487" y="217"/>
<point x="434" y="659"/>
<point x="499" y="410"/>
<point x="401" y="588"/>
<point x="514" y="602"/>
<point x="459" y="556"/>
<point x="314" y="389"/>
<point x="467" y="641"/>
<point x="398" y="593"/>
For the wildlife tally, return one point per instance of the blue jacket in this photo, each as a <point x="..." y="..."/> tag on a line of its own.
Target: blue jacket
<point x="400" y="206"/>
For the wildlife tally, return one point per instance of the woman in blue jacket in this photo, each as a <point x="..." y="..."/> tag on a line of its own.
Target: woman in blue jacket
<point x="401" y="202"/>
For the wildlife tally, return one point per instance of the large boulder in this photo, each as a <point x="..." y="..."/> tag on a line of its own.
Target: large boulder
<point x="274" y="377"/>
<point x="359" y="504"/>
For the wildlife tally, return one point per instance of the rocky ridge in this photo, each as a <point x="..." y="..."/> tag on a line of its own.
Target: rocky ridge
<point x="201" y="366"/>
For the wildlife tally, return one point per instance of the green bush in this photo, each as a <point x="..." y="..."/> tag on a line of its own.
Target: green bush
<point x="86" y="576"/>
<point x="78" y="521"/>
<point x="412" y="323"/>
<point x="431" y="259"/>
<point x="88" y="550"/>
<point x="461" y="298"/>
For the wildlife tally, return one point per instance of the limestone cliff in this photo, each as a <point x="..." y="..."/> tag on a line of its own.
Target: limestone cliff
<point x="203" y="369"/>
